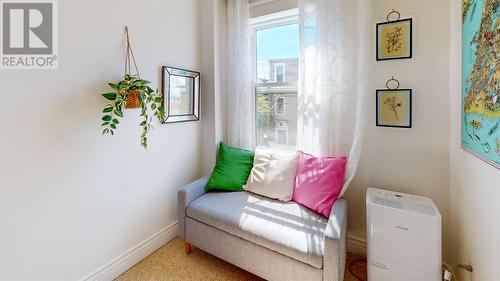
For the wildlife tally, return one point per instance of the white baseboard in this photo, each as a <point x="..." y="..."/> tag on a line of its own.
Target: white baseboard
<point x="122" y="263"/>
<point x="356" y="245"/>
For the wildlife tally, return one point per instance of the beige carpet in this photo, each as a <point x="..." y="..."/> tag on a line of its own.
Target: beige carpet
<point x="170" y="263"/>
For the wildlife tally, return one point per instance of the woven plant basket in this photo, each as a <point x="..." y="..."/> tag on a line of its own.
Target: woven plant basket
<point x="132" y="101"/>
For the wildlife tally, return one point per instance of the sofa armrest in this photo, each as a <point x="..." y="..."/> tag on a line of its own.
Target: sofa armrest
<point x="336" y="242"/>
<point x="185" y="196"/>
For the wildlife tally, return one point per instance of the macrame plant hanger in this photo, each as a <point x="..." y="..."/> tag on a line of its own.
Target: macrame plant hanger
<point x="132" y="100"/>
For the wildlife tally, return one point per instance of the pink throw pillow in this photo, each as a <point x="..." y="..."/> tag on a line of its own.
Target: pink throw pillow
<point x="318" y="182"/>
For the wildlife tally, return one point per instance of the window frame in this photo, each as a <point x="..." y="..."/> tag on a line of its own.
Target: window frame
<point x="287" y="17"/>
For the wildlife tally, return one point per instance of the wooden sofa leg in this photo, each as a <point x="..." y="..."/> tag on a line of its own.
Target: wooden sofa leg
<point x="187" y="248"/>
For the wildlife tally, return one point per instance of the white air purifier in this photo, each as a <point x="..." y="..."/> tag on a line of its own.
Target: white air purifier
<point x="404" y="237"/>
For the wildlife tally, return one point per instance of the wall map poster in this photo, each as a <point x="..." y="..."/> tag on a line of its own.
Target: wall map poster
<point x="480" y="79"/>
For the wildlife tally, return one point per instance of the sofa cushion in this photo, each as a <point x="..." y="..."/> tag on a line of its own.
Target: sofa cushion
<point x="287" y="228"/>
<point x="318" y="182"/>
<point x="273" y="174"/>
<point x="232" y="167"/>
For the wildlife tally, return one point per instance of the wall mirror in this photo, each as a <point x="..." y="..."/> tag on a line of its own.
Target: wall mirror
<point x="181" y="94"/>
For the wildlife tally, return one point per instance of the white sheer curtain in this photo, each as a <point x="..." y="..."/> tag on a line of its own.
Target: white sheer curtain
<point x="335" y="45"/>
<point x="239" y="77"/>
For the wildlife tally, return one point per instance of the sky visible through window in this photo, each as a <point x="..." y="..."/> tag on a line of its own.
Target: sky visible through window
<point x="280" y="42"/>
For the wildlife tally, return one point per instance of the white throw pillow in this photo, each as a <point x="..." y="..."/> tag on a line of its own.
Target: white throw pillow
<point x="273" y="174"/>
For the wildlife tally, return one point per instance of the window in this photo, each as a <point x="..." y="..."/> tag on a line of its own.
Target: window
<point x="279" y="72"/>
<point x="275" y="40"/>
<point x="280" y="106"/>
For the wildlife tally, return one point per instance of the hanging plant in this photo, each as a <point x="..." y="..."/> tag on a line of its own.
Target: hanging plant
<point x="132" y="92"/>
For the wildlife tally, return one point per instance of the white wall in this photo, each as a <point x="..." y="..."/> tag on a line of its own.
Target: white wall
<point x="409" y="160"/>
<point x="474" y="184"/>
<point x="70" y="199"/>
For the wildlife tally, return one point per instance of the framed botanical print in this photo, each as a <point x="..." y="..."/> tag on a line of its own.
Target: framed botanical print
<point x="394" y="108"/>
<point x="181" y="94"/>
<point x="394" y="40"/>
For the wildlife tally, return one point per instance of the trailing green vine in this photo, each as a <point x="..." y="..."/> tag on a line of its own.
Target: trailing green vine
<point x="149" y="99"/>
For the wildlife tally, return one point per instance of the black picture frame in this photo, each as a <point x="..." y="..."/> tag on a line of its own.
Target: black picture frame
<point x="377" y="47"/>
<point x="410" y="108"/>
<point x="194" y="115"/>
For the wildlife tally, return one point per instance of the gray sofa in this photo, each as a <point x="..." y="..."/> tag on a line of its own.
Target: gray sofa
<point x="269" y="238"/>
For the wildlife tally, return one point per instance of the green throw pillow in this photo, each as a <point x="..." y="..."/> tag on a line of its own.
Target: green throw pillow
<point x="231" y="170"/>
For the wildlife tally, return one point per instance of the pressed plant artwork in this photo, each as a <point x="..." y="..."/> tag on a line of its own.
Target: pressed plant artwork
<point x="394" y="108"/>
<point x="394" y="104"/>
<point x="394" y="39"/>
